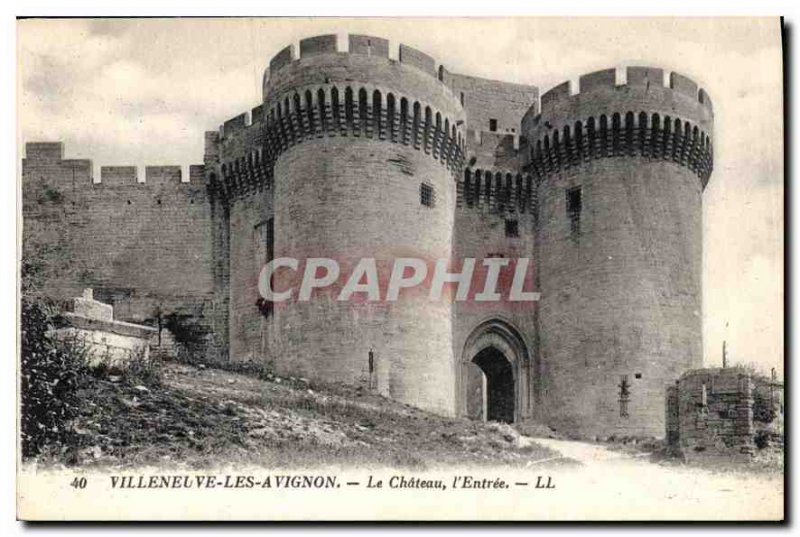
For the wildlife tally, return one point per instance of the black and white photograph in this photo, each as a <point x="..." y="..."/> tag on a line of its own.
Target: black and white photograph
<point x="400" y="269"/>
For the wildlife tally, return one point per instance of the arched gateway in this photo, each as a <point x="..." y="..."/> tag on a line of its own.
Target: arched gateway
<point x="495" y="374"/>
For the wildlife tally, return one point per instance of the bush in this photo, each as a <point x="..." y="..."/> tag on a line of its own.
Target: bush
<point x="51" y="371"/>
<point x="763" y="409"/>
<point x="141" y="371"/>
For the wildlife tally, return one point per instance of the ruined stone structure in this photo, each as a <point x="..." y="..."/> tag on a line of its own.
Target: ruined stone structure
<point x="354" y="154"/>
<point x="721" y="413"/>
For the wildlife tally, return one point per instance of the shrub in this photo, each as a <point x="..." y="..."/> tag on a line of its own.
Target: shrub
<point x="51" y="371"/>
<point x="142" y="371"/>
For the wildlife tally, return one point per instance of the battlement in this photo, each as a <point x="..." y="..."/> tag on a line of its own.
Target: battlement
<point x="162" y="174"/>
<point x="418" y="59"/>
<point x="119" y="175"/>
<point x="282" y="59"/>
<point x="369" y="45"/>
<point x="358" y="44"/>
<point x="44" y="150"/>
<point x="639" y="84"/>
<point x="153" y="175"/>
<point x="239" y="122"/>
<point x="243" y="121"/>
<point x="615" y="113"/>
<point x="320" y="44"/>
<point x="333" y="95"/>
<point x="51" y="154"/>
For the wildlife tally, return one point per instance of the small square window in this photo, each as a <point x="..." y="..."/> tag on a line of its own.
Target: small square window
<point x="493" y="125"/>
<point x="427" y="196"/>
<point x="638" y="375"/>
<point x="512" y="228"/>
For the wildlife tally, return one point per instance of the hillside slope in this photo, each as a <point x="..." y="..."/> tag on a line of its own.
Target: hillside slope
<point x="201" y="417"/>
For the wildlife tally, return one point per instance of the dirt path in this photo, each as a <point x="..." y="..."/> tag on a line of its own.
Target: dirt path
<point x="614" y="482"/>
<point x="584" y="452"/>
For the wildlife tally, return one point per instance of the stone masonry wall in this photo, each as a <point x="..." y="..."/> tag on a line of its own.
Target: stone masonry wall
<point x="710" y="414"/>
<point x="346" y="141"/>
<point x="348" y="198"/>
<point x="505" y="103"/>
<point x="485" y="202"/>
<point x="143" y="247"/>
<point x="621" y="298"/>
<point x="249" y="328"/>
<point x="621" y="171"/>
<point x="492" y="99"/>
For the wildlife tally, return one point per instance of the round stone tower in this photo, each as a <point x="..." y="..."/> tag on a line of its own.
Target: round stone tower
<point x="365" y="150"/>
<point x="621" y="171"/>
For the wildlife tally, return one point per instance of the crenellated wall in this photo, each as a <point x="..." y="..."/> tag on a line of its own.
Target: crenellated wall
<point x="144" y="247"/>
<point x="642" y="117"/>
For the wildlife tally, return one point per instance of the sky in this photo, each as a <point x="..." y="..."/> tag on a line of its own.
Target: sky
<point x="143" y="92"/>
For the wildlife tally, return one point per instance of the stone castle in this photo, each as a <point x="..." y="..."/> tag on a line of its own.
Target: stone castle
<point x="353" y="154"/>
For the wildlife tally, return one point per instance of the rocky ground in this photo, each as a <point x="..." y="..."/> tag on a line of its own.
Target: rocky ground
<point x="201" y="417"/>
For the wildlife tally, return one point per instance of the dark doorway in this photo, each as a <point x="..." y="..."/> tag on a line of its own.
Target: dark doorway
<point x="499" y="384"/>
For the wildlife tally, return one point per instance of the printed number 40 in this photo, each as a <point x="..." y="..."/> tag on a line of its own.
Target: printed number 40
<point x="78" y="483"/>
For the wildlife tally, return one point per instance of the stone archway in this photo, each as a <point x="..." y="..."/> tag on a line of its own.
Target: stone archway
<point x="495" y="380"/>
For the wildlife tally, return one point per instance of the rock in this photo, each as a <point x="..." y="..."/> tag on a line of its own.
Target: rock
<point x="201" y="366"/>
<point x="231" y="381"/>
<point x="114" y="378"/>
<point x="143" y="389"/>
<point x="278" y="380"/>
<point x="310" y="392"/>
<point x="303" y="380"/>
<point x="129" y="403"/>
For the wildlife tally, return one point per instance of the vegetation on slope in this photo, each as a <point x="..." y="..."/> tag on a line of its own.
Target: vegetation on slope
<point x="203" y="417"/>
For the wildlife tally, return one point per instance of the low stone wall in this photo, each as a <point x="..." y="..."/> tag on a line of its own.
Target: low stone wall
<point x="110" y="342"/>
<point x="710" y="413"/>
